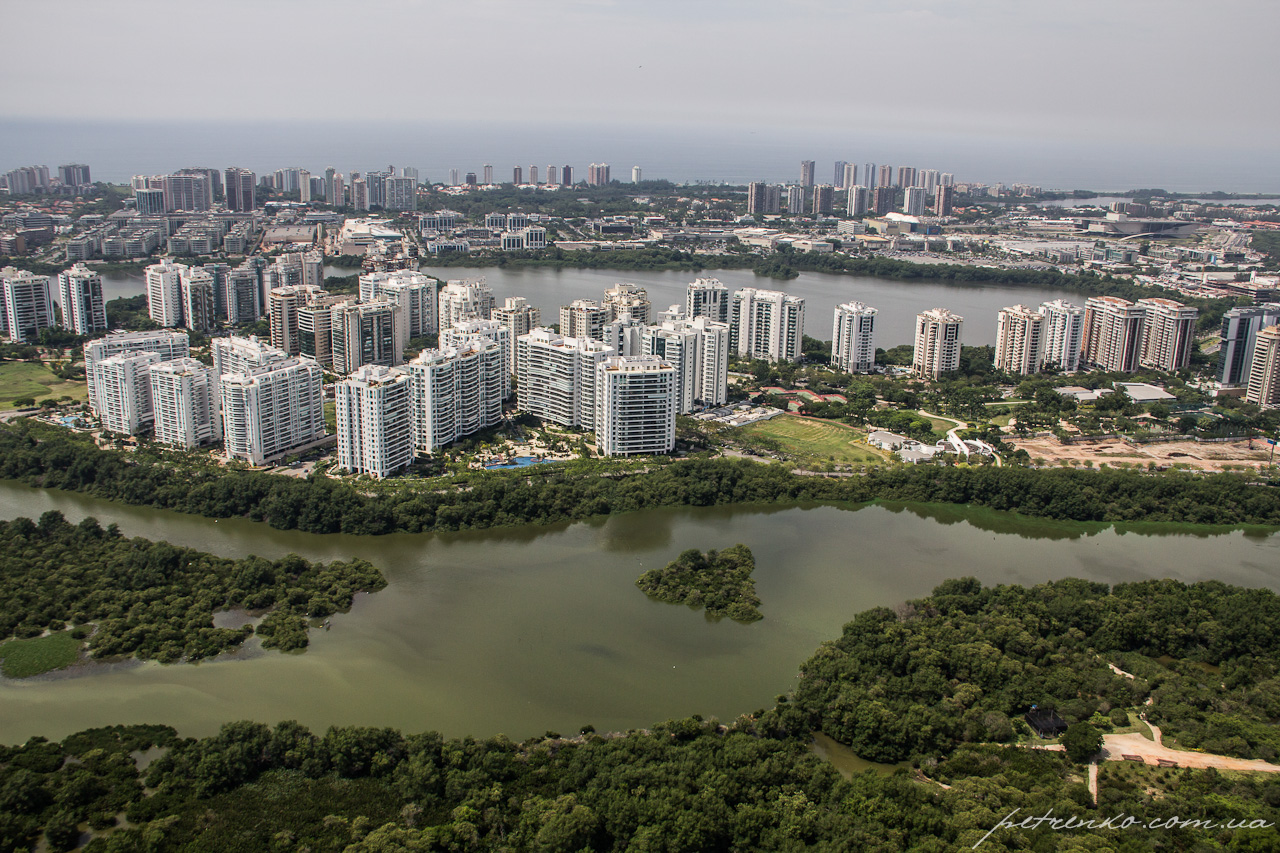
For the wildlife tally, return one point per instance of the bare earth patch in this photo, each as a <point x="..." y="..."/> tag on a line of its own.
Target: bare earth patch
<point x="1209" y="456"/>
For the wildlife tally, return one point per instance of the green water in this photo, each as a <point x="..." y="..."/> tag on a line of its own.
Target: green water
<point x="527" y="629"/>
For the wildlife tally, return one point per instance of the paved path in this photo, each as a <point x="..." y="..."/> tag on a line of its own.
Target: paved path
<point x="953" y="436"/>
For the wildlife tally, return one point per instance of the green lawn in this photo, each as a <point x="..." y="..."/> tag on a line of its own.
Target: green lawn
<point x="23" y="658"/>
<point x="814" y="440"/>
<point x="27" y="379"/>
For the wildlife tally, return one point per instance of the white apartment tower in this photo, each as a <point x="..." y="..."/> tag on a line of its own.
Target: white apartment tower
<point x="375" y="434"/>
<point x="913" y="201"/>
<point x="1063" y="334"/>
<point x="584" y="318"/>
<point x="469" y="331"/>
<point x="80" y="294"/>
<point x="121" y="389"/>
<point x="1112" y="334"/>
<point x="366" y="333"/>
<point x="859" y="200"/>
<point x="413" y="292"/>
<point x="1264" y="370"/>
<point x="26" y="304"/>
<point x="766" y="324"/>
<point x="184" y="402"/>
<point x="164" y="293"/>
<point x="168" y="345"/>
<point x="1020" y="334"/>
<point x="630" y="299"/>
<point x="635" y="406"/>
<point x="707" y="297"/>
<point x="623" y="335"/>
<point x="1168" y="333"/>
<point x="853" y="347"/>
<point x="937" y="348"/>
<point x="240" y="355"/>
<point x="465" y="300"/>
<point x="698" y="351"/>
<point x="270" y="410"/>
<point x="520" y="317"/>
<point x="558" y="377"/>
<point x="455" y="391"/>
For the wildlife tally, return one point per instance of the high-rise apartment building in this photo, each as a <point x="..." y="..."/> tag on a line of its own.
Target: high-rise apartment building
<point x="756" y="197"/>
<point x="359" y="193"/>
<point x="913" y="201"/>
<point x="188" y="192"/>
<point x="164" y="293"/>
<point x="859" y="200"/>
<point x="767" y="324"/>
<point x="906" y="177"/>
<point x="824" y="198"/>
<point x="937" y="347"/>
<point x="455" y="391"/>
<point x="707" y="297"/>
<point x="74" y="175"/>
<point x="797" y="200"/>
<point x="558" y="377"/>
<point x="806" y="173"/>
<point x="304" y="186"/>
<point x="198" y="306"/>
<point x="882" y="201"/>
<point x="466" y="332"/>
<point x="413" y="292"/>
<point x="374" y="421"/>
<point x="121" y="391"/>
<point x="366" y="333"/>
<point x="272" y="410"/>
<point x="284" y="304"/>
<point x="336" y="192"/>
<point x="838" y="179"/>
<point x="566" y="176"/>
<point x="850" y="177"/>
<point x="869" y="176"/>
<point x="488" y="174"/>
<point x="929" y="179"/>
<point x="80" y="295"/>
<point x="624" y="298"/>
<point x="1112" y="334"/>
<point x="242" y="295"/>
<point x="1063" y="333"/>
<point x="400" y="193"/>
<point x="26" y="305"/>
<point x="1239" y="335"/>
<point x="1264" y="370"/>
<point x="598" y="174"/>
<point x="698" y="351"/>
<point x="1020" y="339"/>
<point x="149" y="202"/>
<point x="240" y="355"/>
<point x="584" y="318"/>
<point x="167" y="345"/>
<point x="315" y="328"/>
<point x="520" y="317"/>
<point x="1168" y="333"/>
<point x="184" y="403"/>
<point x="636" y="174"/>
<point x="944" y="200"/>
<point x="464" y="300"/>
<point x="853" y="347"/>
<point x="533" y="175"/>
<point x="884" y="178"/>
<point x="635" y="406"/>
<point x="241" y="186"/>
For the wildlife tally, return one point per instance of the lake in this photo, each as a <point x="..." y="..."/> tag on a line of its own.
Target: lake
<point x="898" y="301"/>
<point x="528" y="629"/>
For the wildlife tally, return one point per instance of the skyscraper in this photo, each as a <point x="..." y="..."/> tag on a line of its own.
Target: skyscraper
<point x="598" y="174"/>
<point x="797" y="201"/>
<point x="906" y="177"/>
<point x="1240" y="328"/>
<point x="883" y="200"/>
<point x="374" y="425"/>
<point x="553" y="176"/>
<point x="838" y="181"/>
<point x="766" y="324"/>
<point x="1112" y="334"/>
<point x="533" y="175"/>
<point x="467" y="332"/>
<point x="197" y="286"/>
<point x="413" y="292"/>
<point x="336" y="196"/>
<point x="166" y="344"/>
<point x="698" y="350"/>
<point x="26" y="303"/>
<point x="858" y="200"/>
<point x="272" y="410"/>
<point x="1168" y="333"/>
<point x="164" y="293"/>
<point x="913" y="201"/>
<point x="488" y="174"/>
<point x="636" y="174"/>
<point x="853" y="347"/>
<point x="558" y="377"/>
<point x="937" y="346"/>
<point x="121" y="392"/>
<point x="850" y="176"/>
<point x="885" y="177"/>
<point x="823" y="198"/>
<point x="464" y="300"/>
<point x="187" y="192"/>
<point x="454" y="392"/>
<point x="631" y="299"/>
<point x="74" y="175"/>
<point x="943" y="200"/>
<point x="806" y="173"/>
<point x="707" y="297"/>
<point x="1264" y="370"/>
<point x="401" y="193"/>
<point x="80" y="295"/>
<point x="184" y="403"/>
<point x="1020" y="339"/>
<point x="869" y="176"/>
<point x="566" y="176"/>
<point x="366" y="333"/>
<point x="635" y="406"/>
<point x="584" y="318"/>
<point x="1063" y="334"/>
<point x="520" y="317"/>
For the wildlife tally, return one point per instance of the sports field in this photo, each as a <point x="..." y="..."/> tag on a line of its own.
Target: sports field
<point x="815" y="441"/>
<point x="20" y="379"/>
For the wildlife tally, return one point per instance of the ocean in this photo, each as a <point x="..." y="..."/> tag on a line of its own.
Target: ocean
<point x="117" y="150"/>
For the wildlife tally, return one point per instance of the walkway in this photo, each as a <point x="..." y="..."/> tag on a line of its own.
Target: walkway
<point x="957" y="443"/>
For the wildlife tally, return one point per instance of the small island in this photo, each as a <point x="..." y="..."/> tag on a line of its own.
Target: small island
<point x="720" y="581"/>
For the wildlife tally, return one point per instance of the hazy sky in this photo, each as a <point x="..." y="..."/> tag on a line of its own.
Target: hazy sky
<point x="1176" y="72"/>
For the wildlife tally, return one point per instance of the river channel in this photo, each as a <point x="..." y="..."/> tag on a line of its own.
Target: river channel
<point x="527" y="629"/>
<point x="897" y="301"/>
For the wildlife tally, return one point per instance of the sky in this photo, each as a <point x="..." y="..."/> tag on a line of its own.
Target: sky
<point x="1171" y="74"/>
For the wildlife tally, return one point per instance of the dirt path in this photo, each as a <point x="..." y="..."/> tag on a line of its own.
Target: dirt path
<point x="1093" y="781"/>
<point x="1116" y="747"/>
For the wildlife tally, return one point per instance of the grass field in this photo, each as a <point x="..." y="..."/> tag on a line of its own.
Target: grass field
<point x="20" y="379"/>
<point x="23" y="658"/>
<point x="814" y="441"/>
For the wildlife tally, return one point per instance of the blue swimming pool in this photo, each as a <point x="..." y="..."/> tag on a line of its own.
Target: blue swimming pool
<point x="518" y="462"/>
